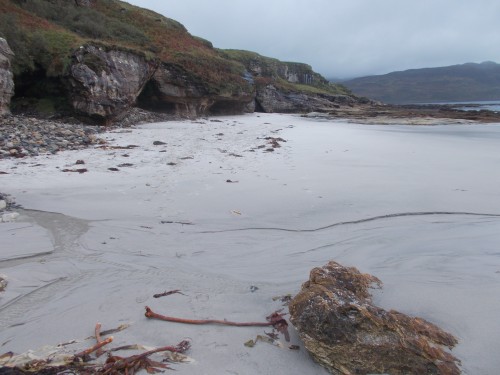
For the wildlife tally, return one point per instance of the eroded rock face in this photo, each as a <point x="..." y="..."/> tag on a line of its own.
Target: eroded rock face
<point x="105" y="83"/>
<point x="6" y="77"/>
<point x="175" y="91"/>
<point x="272" y="100"/>
<point x="347" y="334"/>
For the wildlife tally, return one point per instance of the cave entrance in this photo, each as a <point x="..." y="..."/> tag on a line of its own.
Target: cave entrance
<point x="151" y="99"/>
<point x="37" y="94"/>
<point x="226" y="107"/>
<point x="258" y="107"/>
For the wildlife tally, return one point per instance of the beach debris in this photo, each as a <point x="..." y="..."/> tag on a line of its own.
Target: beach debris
<point x="187" y="158"/>
<point x="85" y="353"/>
<point x="79" y="161"/>
<point x="98" y="338"/>
<point x="113" y="169"/>
<point x="347" y="334"/>
<point x="276" y="320"/>
<point x="125" y="165"/>
<point x="176" y="222"/>
<point x="253" y="288"/>
<point x="274" y="142"/>
<point x="236" y="212"/>
<point x="58" y="360"/>
<point x="235" y="155"/>
<point x="285" y="299"/>
<point x="231" y="181"/>
<point x="120" y="328"/>
<point x="170" y="292"/>
<point x="3" y="283"/>
<point x="78" y="170"/>
<point x="133" y="364"/>
<point x="128" y="147"/>
<point x="251" y="343"/>
<point x="158" y="143"/>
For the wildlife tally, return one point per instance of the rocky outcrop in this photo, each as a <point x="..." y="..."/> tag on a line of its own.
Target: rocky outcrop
<point x="347" y="334"/>
<point x="6" y="77"/>
<point x="271" y="99"/>
<point x="84" y="3"/>
<point x="105" y="83"/>
<point x="290" y="87"/>
<point x="174" y="90"/>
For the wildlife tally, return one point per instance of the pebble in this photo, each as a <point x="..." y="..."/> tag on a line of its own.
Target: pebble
<point x="22" y="136"/>
<point x="9" y="217"/>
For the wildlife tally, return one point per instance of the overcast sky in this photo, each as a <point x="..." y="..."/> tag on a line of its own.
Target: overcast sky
<point x="346" y="38"/>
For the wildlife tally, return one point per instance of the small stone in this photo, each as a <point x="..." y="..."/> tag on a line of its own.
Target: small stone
<point x="80" y="162"/>
<point x="158" y="143"/>
<point x="8" y="217"/>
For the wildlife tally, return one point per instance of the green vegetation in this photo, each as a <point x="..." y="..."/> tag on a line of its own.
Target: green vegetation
<point x="328" y="89"/>
<point x="43" y="34"/>
<point x="278" y="71"/>
<point x="85" y="22"/>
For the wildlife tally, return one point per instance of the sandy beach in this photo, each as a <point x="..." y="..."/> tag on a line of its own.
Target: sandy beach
<point x="211" y="208"/>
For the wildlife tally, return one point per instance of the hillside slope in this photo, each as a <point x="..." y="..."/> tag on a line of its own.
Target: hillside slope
<point x="97" y="58"/>
<point x="467" y="82"/>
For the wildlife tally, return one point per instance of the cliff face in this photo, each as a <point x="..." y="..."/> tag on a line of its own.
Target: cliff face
<point x="289" y="87"/>
<point x="6" y="76"/>
<point x="173" y="89"/>
<point x="101" y="58"/>
<point x="104" y="84"/>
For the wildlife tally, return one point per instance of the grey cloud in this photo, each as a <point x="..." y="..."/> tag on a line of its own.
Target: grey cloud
<point x="346" y="38"/>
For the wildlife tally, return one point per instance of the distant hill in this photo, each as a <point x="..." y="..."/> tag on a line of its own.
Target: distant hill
<point x="466" y="82"/>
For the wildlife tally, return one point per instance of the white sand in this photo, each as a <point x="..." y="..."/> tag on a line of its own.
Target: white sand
<point x="98" y="250"/>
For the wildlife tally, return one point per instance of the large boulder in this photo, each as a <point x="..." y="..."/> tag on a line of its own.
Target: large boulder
<point x="104" y="82"/>
<point x="6" y="77"/>
<point x="347" y="334"/>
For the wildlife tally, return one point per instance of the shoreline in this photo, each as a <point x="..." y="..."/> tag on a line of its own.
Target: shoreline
<point x="205" y="206"/>
<point x="28" y="135"/>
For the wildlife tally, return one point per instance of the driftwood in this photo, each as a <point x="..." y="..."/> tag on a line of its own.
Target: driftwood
<point x="347" y="334"/>
<point x="275" y="319"/>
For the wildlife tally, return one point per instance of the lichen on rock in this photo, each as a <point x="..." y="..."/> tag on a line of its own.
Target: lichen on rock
<point x="347" y="334"/>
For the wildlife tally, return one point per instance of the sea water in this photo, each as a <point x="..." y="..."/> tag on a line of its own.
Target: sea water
<point x="490" y="105"/>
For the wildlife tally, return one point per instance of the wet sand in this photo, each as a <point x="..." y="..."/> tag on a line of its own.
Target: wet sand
<point x="416" y="206"/>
